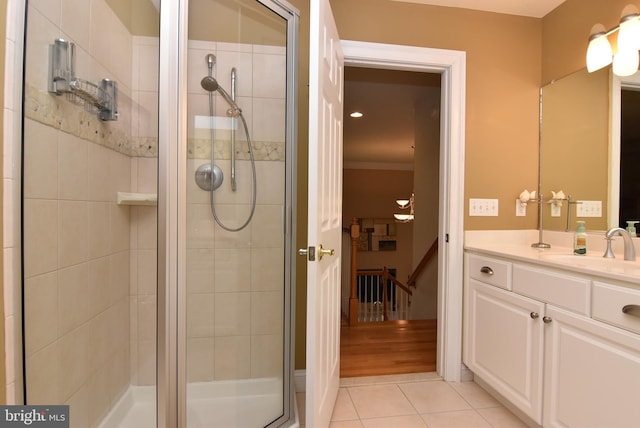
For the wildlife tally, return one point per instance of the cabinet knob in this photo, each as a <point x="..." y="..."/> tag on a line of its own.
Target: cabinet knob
<point x="547" y="320"/>
<point x="534" y="315"/>
<point x="487" y="270"/>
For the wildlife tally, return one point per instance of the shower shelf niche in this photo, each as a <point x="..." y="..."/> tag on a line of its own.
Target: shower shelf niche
<point x="126" y="198"/>
<point x="100" y="99"/>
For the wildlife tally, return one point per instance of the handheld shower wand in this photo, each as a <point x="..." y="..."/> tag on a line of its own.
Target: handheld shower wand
<point x="211" y="85"/>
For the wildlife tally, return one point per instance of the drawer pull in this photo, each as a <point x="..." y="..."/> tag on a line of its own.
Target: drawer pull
<point x="534" y="315"/>
<point x="487" y="270"/>
<point x="631" y="310"/>
<point x="547" y="320"/>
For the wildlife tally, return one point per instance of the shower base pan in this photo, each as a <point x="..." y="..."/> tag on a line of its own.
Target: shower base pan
<point x="234" y="403"/>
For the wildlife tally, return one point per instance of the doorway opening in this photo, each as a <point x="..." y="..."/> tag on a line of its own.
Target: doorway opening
<point x="391" y="153"/>
<point x="451" y="65"/>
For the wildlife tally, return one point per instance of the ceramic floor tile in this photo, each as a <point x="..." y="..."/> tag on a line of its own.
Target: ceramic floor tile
<point x="431" y="397"/>
<point x="477" y="397"/>
<point x="344" y="409"/>
<point x="457" y="419"/>
<point x="346" y="424"/>
<point x="377" y="401"/>
<point x="501" y="417"/>
<point x="411" y="421"/>
<point x="400" y="378"/>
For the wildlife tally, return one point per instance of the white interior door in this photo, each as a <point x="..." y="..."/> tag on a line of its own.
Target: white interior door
<point x="325" y="215"/>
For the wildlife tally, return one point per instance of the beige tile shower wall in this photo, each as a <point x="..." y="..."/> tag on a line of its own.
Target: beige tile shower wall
<point x="144" y="172"/>
<point x="76" y="243"/>
<point x="77" y="239"/>
<point x="235" y="279"/>
<point x="144" y="179"/>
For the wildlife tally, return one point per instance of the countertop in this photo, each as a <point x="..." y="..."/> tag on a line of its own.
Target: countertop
<point x="516" y="245"/>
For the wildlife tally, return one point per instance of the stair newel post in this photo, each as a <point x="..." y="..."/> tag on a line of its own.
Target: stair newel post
<point x="353" y="298"/>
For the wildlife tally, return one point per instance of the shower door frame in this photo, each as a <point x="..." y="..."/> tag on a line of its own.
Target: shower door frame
<point x="172" y="176"/>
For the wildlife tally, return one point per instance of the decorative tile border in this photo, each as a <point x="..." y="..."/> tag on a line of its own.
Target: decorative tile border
<point x="60" y="114"/>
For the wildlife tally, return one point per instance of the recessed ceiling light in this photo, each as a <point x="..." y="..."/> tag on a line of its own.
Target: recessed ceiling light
<point x="356" y="114"/>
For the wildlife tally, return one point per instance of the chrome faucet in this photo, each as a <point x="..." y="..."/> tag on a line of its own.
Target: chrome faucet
<point x="629" y="250"/>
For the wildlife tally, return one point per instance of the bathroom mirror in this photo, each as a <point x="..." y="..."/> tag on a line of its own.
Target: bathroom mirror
<point x="589" y="134"/>
<point x="574" y="152"/>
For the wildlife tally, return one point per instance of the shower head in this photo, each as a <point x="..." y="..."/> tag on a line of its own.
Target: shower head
<point x="210" y="84"/>
<point x="211" y="59"/>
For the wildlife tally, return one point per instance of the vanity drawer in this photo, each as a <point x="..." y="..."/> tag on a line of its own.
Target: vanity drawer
<point x="490" y="271"/>
<point x="609" y="301"/>
<point x="554" y="288"/>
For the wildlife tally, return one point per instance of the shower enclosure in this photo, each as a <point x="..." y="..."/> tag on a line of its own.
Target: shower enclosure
<point x="158" y="183"/>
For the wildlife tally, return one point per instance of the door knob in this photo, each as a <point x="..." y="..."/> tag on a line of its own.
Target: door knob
<point x="325" y="252"/>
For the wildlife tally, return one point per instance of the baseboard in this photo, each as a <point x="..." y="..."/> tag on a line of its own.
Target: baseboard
<point x="300" y="380"/>
<point x="466" y="375"/>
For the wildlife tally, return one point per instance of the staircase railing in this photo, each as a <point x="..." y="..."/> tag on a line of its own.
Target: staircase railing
<point x="354" y="312"/>
<point x="381" y="296"/>
<point x="432" y="251"/>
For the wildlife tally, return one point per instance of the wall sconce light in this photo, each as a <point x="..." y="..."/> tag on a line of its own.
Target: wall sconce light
<point x="625" y="60"/>
<point x="403" y="204"/>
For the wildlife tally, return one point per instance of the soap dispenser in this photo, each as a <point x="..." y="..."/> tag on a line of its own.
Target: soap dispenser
<point x="631" y="228"/>
<point x="580" y="240"/>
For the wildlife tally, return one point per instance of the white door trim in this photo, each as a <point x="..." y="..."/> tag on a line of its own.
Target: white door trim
<point x="452" y="66"/>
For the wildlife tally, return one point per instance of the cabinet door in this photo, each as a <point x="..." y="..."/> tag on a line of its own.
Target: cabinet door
<point x="592" y="373"/>
<point x="504" y="344"/>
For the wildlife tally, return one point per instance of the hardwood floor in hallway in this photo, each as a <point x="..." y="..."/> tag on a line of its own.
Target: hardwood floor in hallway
<point x="390" y="347"/>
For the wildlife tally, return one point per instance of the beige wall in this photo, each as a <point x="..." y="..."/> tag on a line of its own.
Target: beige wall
<point x="503" y="74"/>
<point x="302" y="193"/>
<point x="426" y="184"/>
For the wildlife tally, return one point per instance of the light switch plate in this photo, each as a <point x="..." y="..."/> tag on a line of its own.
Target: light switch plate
<point x="555" y="210"/>
<point x="521" y="209"/>
<point x="589" y="209"/>
<point x="483" y="207"/>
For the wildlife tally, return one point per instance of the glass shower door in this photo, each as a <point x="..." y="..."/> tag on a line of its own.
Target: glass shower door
<point x="90" y="153"/>
<point x="238" y="215"/>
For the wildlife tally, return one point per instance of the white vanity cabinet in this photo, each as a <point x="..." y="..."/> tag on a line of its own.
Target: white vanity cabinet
<point x="531" y="338"/>
<point x="504" y="344"/>
<point x="592" y="373"/>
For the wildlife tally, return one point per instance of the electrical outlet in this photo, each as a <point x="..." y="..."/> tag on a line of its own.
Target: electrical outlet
<point x="521" y="209"/>
<point x="556" y="210"/>
<point x="589" y="209"/>
<point x="483" y="207"/>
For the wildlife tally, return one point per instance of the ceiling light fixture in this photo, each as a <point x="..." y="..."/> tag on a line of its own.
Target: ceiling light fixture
<point x="356" y="114"/>
<point x="403" y="204"/>
<point x="625" y="60"/>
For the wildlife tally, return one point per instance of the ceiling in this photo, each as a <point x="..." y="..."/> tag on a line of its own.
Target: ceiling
<point x="384" y="137"/>
<point x="534" y="8"/>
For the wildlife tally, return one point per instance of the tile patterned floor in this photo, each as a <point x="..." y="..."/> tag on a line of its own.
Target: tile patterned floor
<point x="420" y="400"/>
